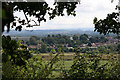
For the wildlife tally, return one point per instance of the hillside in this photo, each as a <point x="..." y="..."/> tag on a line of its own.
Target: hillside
<point x="42" y="33"/>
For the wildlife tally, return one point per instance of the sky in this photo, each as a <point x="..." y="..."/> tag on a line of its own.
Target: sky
<point x="85" y="13"/>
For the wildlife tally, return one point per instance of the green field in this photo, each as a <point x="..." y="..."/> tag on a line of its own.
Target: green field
<point x="68" y="60"/>
<point x="70" y="56"/>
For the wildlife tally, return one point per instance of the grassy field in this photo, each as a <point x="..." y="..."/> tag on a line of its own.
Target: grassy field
<point x="68" y="59"/>
<point x="46" y="56"/>
<point x="70" y="56"/>
<point x="67" y="65"/>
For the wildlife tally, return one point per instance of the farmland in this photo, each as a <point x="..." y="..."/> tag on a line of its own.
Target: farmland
<point x="68" y="59"/>
<point x="70" y="56"/>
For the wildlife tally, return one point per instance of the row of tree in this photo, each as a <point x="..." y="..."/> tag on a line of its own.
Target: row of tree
<point x="105" y="49"/>
<point x="56" y="41"/>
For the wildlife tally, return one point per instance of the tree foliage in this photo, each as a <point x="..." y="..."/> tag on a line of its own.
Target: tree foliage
<point x="109" y="25"/>
<point x="37" y="9"/>
<point x="84" y="66"/>
<point x="92" y="67"/>
<point x="14" y="51"/>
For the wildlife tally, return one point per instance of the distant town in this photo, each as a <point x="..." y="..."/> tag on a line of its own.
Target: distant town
<point x="53" y="42"/>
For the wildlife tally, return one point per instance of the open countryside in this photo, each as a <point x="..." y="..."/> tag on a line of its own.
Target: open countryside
<point x="46" y="48"/>
<point x="70" y="40"/>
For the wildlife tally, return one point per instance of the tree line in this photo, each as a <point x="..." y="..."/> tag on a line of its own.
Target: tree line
<point x="55" y="41"/>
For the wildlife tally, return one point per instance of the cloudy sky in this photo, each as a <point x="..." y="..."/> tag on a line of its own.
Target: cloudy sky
<point x="85" y="13"/>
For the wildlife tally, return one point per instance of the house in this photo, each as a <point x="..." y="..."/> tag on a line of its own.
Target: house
<point x="99" y="44"/>
<point x="32" y="46"/>
<point x="93" y="45"/>
<point x="84" y="45"/>
<point x="38" y="45"/>
<point x="70" y="47"/>
<point x="108" y="37"/>
<point x="71" y="38"/>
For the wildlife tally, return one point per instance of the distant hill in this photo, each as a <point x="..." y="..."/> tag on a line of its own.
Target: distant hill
<point x="42" y="33"/>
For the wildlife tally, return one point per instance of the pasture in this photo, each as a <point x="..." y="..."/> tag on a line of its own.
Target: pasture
<point x="68" y="59"/>
<point x="70" y="56"/>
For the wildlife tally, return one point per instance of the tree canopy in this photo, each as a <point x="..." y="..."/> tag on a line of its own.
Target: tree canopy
<point x="110" y="24"/>
<point x="14" y="51"/>
<point x="36" y="9"/>
<point x="41" y="9"/>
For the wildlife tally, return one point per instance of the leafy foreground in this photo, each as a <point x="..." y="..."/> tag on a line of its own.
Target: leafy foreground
<point x="17" y="66"/>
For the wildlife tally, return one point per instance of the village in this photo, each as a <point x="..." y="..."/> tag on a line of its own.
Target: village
<point x="109" y="41"/>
